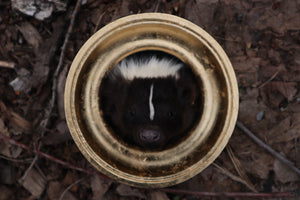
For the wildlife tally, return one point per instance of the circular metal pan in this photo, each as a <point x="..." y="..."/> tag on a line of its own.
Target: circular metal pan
<point x="180" y="38"/>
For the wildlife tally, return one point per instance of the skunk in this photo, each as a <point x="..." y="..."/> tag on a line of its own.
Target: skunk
<point x="150" y="100"/>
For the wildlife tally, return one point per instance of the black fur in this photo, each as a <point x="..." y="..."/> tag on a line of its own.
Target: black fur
<point x="125" y="106"/>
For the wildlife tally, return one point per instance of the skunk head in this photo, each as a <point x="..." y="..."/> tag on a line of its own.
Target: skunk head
<point x="150" y="100"/>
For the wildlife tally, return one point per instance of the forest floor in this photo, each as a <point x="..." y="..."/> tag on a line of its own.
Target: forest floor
<point x="262" y="40"/>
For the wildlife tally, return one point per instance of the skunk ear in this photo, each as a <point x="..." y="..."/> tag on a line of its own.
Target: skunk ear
<point x="187" y="88"/>
<point x="112" y="94"/>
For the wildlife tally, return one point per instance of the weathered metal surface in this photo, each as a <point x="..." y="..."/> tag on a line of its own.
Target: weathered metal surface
<point x="193" y="46"/>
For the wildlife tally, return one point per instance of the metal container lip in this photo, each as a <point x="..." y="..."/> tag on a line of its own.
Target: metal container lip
<point x="116" y="41"/>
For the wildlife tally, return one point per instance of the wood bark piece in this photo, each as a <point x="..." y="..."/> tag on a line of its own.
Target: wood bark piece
<point x="30" y="34"/>
<point x="34" y="183"/>
<point x="158" y="195"/>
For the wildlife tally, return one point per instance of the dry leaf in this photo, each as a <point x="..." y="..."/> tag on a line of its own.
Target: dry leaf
<point x="276" y="91"/>
<point x="284" y="173"/>
<point x="40" y="9"/>
<point x="6" y="193"/>
<point x="281" y="19"/>
<point x="285" y="131"/>
<point x="99" y="187"/>
<point x="194" y="15"/>
<point x="70" y="178"/>
<point x="274" y="56"/>
<point x="261" y="18"/>
<point x="125" y="190"/>
<point x="55" y="190"/>
<point x="287" y="89"/>
<point x="291" y="14"/>
<point x="7" y="174"/>
<point x="245" y="64"/>
<point x="249" y="118"/>
<point x="260" y="165"/>
<point x="60" y="136"/>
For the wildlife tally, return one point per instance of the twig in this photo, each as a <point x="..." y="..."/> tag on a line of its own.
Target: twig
<point x="229" y="194"/>
<point x="98" y="22"/>
<point x="48" y="112"/>
<point x="296" y="150"/>
<point x="269" y="80"/>
<point x="234" y="177"/>
<point x="70" y="28"/>
<point x="60" y="64"/>
<point x="29" y="168"/>
<point x="26" y="160"/>
<point x="41" y="172"/>
<point x="6" y="64"/>
<point x="157" y="6"/>
<point x="238" y="167"/>
<point x="182" y="8"/>
<point x="69" y="187"/>
<point x="277" y="155"/>
<point x="52" y="158"/>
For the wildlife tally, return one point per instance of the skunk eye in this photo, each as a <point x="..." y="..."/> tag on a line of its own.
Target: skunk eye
<point x="171" y="114"/>
<point x="131" y="112"/>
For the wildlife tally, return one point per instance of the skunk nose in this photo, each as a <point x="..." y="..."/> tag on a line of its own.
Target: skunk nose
<point x="149" y="136"/>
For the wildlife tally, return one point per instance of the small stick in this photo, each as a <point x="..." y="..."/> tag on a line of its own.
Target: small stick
<point x="157" y="6"/>
<point x="269" y="80"/>
<point x="98" y="22"/>
<point x="29" y="168"/>
<point x="229" y="194"/>
<point x="60" y="63"/>
<point x="277" y="155"/>
<point x="235" y="178"/>
<point x="64" y="46"/>
<point x="26" y="160"/>
<point x="238" y="167"/>
<point x="6" y="64"/>
<point x="69" y="187"/>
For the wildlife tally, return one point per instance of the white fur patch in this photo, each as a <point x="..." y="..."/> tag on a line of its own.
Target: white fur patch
<point x="151" y="68"/>
<point x="151" y="107"/>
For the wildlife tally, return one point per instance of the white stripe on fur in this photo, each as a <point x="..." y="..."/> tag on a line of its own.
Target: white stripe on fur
<point x="151" y="107"/>
<point x="152" y="68"/>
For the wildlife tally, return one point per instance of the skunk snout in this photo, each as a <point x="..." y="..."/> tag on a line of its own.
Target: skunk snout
<point x="150" y="136"/>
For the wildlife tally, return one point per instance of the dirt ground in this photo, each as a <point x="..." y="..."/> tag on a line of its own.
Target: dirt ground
<point x="262" y="40"/>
